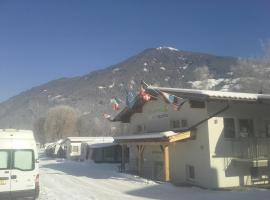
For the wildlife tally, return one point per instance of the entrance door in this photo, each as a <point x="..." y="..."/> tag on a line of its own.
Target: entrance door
<point x="5" y="174"/>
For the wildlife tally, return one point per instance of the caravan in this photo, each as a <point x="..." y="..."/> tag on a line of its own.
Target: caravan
<point x="19" y="176"/>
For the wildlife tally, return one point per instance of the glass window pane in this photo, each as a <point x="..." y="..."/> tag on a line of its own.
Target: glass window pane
<point x="184" y="123"/>
<point x="229" y="128"/>
<point x="246" y="128"/>
<point x="175" y="124"/>
<point x="23" y="160"/>
<point x="3" y="159"/>
<point x="75" y="149"/>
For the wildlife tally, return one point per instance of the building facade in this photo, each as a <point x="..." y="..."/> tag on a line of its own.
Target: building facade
<point x="215" y="139"/>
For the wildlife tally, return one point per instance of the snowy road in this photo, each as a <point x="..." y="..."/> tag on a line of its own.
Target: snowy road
<point x="64" y="180"/>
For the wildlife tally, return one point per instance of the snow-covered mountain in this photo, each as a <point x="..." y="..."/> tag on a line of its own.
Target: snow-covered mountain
<point x="90" y="95"/>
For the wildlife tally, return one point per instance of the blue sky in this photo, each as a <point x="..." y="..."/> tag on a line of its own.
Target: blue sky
<point x="44" y="40"/>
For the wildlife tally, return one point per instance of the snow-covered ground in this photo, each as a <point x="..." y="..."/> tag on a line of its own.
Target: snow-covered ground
<point x="64" y="180"/>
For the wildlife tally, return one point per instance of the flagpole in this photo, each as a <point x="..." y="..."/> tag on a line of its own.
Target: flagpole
<point x="156" y="91"/>
<point x="160" y="93"/>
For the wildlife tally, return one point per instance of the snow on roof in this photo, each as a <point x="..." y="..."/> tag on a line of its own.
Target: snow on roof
<point x="16" y="134"/>
<point x="194" y="94"/>
<point x="157" y="135"/>
<point x="214" y="94"/>
<point x="92" y="142"/>
<point x="101" y="145"/>
<point x="93" y="139"/>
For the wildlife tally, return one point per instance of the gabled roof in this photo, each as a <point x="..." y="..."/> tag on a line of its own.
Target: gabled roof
<point x="192" y="94"/>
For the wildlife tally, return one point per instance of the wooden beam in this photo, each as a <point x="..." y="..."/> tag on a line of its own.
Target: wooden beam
<point x="140" y="159"/>
<point x="123" y="161"/>
<point x="180" y="136"/>
<point x="146" y="143"/>
<point x="166" y="163"/>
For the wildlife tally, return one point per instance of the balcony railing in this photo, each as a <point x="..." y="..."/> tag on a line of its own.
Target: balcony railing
<point x="251" y="148"/>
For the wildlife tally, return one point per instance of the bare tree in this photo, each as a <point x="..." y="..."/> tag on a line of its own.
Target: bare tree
<point x="253" y="74"/>
<point x="202" y="74"/>
<point x="60" y="122"/>
<point x="39" y="130"/>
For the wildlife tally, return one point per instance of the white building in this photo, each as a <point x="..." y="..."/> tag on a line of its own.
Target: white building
<point x="73" y="145"/>
<point x="215" y="140"/>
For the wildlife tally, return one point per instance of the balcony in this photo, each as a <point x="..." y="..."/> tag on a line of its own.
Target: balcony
<point x="255" y="150"/>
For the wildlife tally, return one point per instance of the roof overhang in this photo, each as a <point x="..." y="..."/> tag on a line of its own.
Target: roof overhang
<point x="155" y="138"/>
<point x="192" y="94"/>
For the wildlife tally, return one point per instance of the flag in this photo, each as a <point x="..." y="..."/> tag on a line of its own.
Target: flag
<point x="169" y="98"/>
<point x="174" y="100"/>
<point x="130" y="99"/>
<point x="144" y="95"/>
<point x="115" y="103"/>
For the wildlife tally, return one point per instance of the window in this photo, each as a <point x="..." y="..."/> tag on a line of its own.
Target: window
<point x="190" y="172"/>
<point x="184" y="123"/>
<point x="267" y="128"/>
<point x="75" y="149"/>
<point x="174" y="124"/>
<point x="23" y="160"/>
<point x="4" y="159"/>
<point x="246" y="128"/>
<point x="229" y="128"/>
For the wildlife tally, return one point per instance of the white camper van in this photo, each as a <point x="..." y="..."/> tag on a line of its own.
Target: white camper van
<point x="19" y="176"/>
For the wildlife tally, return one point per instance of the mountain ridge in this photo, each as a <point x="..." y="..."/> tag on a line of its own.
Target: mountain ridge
<point x="90" y="94"/>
